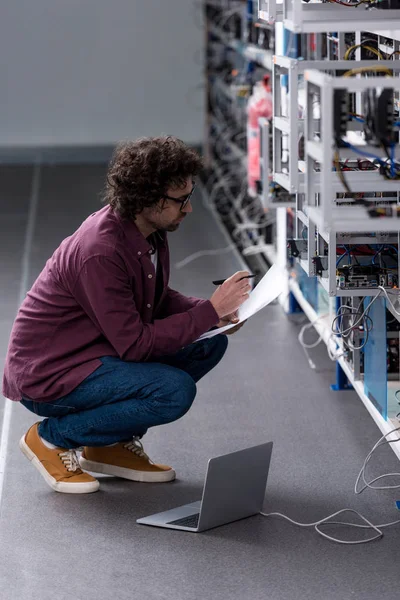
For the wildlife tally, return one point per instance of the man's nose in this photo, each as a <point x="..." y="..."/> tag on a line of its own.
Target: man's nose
<point x="188" y="208"/>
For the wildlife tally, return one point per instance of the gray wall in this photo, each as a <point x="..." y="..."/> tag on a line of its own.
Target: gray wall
<point x="97" y="71"/>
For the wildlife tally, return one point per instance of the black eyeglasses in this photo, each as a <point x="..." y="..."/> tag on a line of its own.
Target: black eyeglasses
<point x="184" y="201"/>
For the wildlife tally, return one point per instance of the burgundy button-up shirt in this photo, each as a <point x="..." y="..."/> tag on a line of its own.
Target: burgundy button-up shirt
<point x="95" y="297"/>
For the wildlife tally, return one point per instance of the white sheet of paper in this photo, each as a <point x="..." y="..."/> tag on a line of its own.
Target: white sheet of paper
<point x="269" y="288"/>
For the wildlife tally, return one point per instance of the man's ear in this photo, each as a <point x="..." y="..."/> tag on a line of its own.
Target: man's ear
<point x="160" y="206"/>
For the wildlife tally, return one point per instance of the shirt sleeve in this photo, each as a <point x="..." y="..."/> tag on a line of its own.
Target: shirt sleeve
<point x="104" y="292"/>
<point x="174" y="302"/>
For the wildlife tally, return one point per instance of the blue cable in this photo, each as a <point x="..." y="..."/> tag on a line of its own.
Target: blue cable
<point x="340" y="258"/>
<point x="376" y="254"/>
<point x="343" y="255"/>
<point x="382" y="248"/>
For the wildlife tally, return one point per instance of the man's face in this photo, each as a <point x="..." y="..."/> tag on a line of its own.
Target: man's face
<point x="167" y="214"/>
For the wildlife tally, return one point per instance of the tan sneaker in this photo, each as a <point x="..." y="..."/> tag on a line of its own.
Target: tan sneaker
<point x="127" y="460"/>
<point x="59" y="467"/>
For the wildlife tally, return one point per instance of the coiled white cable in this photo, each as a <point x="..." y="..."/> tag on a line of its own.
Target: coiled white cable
<point x="326" y="520"/>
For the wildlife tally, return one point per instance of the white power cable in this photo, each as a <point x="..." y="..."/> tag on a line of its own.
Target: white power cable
<point x="307" y="346"/>
<point x="360" y="319"/>
<point x="326" y="521"/>
<point x="201" y="253"/>
<point x="342" y="333"/>
<point x="250" y="225"/>
<point x="239" y="229"/>
<point x="389" y="300"/>
<point x="332" y="355"/>
<point x="346" y="332"/>
<point x="369" y="525"/>
<point x="368" y="484"/>
<point x="381" y="441"/>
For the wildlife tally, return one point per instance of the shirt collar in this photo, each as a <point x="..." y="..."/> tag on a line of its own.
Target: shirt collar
<point x="139" y="242"/>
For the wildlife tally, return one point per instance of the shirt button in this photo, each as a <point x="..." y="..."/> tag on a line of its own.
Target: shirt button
<point x="139" y="253"/>
<point x="150" y="276"/>
<point x="149" y="306"/>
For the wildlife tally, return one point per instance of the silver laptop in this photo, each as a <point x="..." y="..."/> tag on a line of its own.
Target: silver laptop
<point x="234" y="489"/>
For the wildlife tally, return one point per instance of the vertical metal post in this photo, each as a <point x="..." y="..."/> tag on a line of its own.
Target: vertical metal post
<point x="294" y="306"/>
<point x="356" y="301"/>
<point x="342" y="383"/>
<point x="264" y="160"/>
<point x="341" y="46"/>
<point x="311" y="247"/>
<point x="309" y="134"/>
<point x="359" y="108"/>
<point x="310" y="176"/>
<point x="281" y="251"/>
<point x="296" y="13"/>
<point x="327" y="151"/>
<point x="293" y="127"/>
<point x="281" y="231"/>
<point x="332" y="263"/>
<point x="318" y="46"/>
<point x="276" y="133"/>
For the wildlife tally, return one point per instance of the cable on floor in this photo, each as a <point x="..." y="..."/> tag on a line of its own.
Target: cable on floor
<point x="369" y="525"/>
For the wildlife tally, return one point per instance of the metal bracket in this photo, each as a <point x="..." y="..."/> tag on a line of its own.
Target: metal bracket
<point x="342" y="383"/>
<point x="297" y="248"/>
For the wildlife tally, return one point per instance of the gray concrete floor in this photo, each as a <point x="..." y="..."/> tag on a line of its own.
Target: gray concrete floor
<point x="89" y="547"/>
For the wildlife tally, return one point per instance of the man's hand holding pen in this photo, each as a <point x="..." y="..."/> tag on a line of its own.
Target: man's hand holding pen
<point x="229" y="296"/>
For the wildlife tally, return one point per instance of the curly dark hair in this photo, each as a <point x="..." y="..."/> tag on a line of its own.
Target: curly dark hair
<point x="140" y="172"/>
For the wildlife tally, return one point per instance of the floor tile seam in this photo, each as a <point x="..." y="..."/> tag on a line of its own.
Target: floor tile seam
<point x="30" y="229"/>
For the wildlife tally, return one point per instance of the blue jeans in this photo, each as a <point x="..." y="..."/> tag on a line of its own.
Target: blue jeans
<point x="123" y="399"/>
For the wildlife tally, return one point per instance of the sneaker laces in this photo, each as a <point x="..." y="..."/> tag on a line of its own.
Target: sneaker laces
<point x="70" y="460"/>
<point x="136" y="447"/>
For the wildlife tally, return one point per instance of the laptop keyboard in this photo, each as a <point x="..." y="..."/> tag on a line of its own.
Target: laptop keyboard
<point x="191" y="521"/>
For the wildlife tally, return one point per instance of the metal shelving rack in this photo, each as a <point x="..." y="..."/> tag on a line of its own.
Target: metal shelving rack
<point x="320" y="17"/>
<point x="321" y="186"/>
<point x="321" y="223"/>
<point x="257" y="249"/>
<point x="248" y="51"/>
<point x="323" y="328"/>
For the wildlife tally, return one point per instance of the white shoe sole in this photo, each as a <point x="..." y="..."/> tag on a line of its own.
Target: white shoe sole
<point x="57" y="486"/>
<point x="143" y="476"/>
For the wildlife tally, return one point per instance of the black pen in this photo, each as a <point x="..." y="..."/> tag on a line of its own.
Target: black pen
<point x="221" y="281"/>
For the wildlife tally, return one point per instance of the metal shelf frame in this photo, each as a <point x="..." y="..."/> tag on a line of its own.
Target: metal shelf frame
<point x="328" y="221"/>
<point x="286" y="126"/>
<point x="290" y="126"/>
<point x="270" y="11"/>
<point x="315" y="17"/>
<point x="265" y="251"/>
<point x="247" y="51"/>
<point x="323" y="329"/>
<point x="321" y="187"/>
<point x="265" y="126"/>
